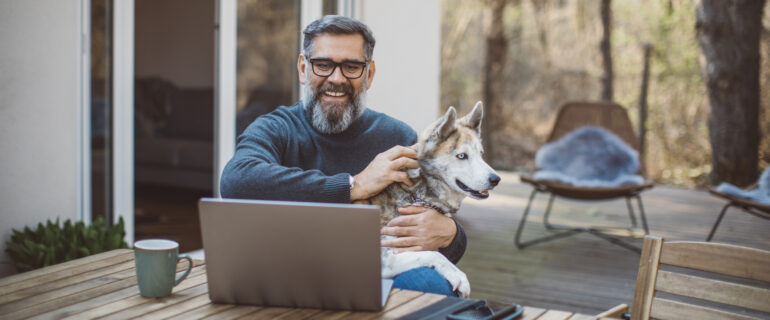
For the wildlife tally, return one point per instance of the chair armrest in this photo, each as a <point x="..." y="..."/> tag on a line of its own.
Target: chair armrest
<point x="615" y="312"/>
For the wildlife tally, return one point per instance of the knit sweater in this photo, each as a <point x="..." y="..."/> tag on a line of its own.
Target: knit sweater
<point x="281" y="156"/>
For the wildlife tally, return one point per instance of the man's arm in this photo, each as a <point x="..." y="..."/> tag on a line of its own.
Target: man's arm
<point x="256" y="172"/>
<point x="384" y="170"/>
<point x="455" y="250"/>
<point x="420" y="228"/>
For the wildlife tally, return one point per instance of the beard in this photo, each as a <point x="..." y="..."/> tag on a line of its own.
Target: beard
<point x="334" y="117"/>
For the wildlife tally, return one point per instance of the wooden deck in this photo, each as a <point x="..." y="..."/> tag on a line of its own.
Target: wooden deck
<point x="582" y="273"/>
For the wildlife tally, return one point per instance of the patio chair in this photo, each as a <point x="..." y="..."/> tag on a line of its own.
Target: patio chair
<point x="752" y="207"/>
<point x="688" y="296"/>
<point x="571" y="116"/>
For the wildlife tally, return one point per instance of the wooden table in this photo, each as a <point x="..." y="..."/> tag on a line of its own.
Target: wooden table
<point x="104" y="286"/>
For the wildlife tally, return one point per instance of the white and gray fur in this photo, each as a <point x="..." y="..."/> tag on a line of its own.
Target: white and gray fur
<point x="449" y="153"/>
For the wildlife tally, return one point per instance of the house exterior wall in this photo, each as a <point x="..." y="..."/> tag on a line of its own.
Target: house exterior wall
<point x="407" y="56"/>
<point x="40" y="115"/>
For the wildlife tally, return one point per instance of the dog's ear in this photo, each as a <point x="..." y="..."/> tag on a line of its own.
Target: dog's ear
<point x="473" y="119"/>
<point x="446" y="124"/>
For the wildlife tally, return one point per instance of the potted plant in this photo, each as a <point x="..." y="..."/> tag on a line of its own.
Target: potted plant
<point x="52" y="243"/>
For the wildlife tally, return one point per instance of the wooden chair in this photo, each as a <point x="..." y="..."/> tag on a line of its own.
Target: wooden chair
<point x="714" y="258"/>
<point x="574" y="115"/>
<point x="752" y="207"/>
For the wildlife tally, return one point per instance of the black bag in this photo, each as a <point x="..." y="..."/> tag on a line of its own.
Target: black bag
<point x="452" y="308"/>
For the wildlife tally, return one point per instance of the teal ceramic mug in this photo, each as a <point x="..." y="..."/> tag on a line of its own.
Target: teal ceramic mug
<point x="156" y="261"/>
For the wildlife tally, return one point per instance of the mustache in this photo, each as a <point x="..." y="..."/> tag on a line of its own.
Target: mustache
<point x="345" y="88"/>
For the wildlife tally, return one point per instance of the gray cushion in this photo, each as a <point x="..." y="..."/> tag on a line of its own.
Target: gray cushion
<point x="588" y="157"/>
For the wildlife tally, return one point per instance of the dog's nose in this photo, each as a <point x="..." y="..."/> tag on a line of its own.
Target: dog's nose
<point x="494" y="179"/>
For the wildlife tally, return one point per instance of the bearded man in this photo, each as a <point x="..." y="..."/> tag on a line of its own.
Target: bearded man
<point x="330" y="148"/>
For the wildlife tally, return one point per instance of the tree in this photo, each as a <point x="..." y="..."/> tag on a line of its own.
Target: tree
<point x="728" y="32"/>
<point x="494" y="74"/>
<point x="605" y="46"/>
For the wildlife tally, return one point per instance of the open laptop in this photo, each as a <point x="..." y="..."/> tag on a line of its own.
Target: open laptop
<point x="293" y="254"/>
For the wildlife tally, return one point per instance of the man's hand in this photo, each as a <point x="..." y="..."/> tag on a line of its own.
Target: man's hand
<point x="419" y="229"/>
<point x="382" y="171"/>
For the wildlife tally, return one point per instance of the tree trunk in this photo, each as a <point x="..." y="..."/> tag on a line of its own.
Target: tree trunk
<point x="541" y="24"/>
<point x="728" y="32"/>
<point x="494" y="76"/>
<point x="643" y="103"/>
<point x="605" y="46"/>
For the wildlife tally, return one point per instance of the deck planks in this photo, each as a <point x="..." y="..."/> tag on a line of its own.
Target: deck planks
<point x="582" y="273"/>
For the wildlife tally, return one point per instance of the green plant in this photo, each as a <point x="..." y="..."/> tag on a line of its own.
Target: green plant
<point x="51" y="243"/>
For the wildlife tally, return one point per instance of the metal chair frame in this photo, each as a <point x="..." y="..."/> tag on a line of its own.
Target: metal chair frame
<point x="748" y="209"/>
<point x="562" y="231"/>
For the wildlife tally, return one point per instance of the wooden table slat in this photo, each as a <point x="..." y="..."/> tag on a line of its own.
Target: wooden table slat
<point x="412" y="305"/>
<point x="555" y="315"/>
<point x="65" y="282"/>
<point x="136" y="299"/>
<point x="202" y="312"/>
<point x="280" y="313"/>
<point x="63" y="292"/>
<point x="396" y="299"/>
<point x="329" y="315"/>
<point x="159" y="303"/>
<point x="104" y="286"/>
<point x="62" y="298"/>
<point x="17" y="278"/>
<point x="582" y="317"/>
<point x="233" y="313"/>
<point x="68" y="273"/>
<point x="531" y="313"/>
<point x="89" y="299"/>
<point x="178" y="308"/>
<point x="399" y="298"/>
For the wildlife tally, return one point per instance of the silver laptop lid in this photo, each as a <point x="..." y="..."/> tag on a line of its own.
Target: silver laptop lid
<point x="292" y="254"/>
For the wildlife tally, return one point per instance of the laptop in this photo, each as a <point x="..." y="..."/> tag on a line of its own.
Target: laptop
<point x="293" y="254"/>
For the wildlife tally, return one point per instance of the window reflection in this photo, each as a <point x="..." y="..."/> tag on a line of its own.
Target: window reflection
<point x="101" y="109"/>
<point x="268" y="38"/>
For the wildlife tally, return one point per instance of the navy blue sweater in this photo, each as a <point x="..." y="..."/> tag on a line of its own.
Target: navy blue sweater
<point x="280" y="156"/>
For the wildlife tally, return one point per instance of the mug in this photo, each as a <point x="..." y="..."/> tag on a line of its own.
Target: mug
<point x="156" y="261"/>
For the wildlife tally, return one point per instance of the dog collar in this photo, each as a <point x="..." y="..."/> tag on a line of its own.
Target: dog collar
<point x="422" y="203"/>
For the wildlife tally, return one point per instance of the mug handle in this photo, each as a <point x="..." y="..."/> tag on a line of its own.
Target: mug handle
<point x="189" y="267"/>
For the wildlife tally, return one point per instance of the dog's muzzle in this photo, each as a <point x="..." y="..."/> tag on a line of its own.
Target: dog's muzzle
<point x="478" y="194"/>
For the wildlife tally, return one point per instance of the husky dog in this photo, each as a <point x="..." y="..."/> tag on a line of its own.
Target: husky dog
<point x="449" y="153"/>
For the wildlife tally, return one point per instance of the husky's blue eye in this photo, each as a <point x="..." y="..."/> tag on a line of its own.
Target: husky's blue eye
<point x="462" y="156"/>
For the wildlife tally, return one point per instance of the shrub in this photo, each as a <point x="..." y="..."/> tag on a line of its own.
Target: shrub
<point x="51" y="243"/>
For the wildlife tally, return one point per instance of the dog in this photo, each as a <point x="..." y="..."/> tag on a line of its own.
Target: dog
<point x="451" y="167"/>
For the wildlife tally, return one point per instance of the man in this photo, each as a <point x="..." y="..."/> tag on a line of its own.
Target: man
<point x="330" y="148"/>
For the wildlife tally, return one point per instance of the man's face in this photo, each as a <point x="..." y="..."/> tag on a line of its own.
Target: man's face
<point x="335" y="101"/>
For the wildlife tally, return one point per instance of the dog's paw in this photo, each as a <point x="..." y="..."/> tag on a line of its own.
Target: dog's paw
<point x="459" y="282"/>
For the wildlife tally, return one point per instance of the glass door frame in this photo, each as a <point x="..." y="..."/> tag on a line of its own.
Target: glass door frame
<point x="225" y="93"/>
<point x="123" y="115"/>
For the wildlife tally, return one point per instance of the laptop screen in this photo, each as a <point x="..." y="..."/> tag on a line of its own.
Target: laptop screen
<point x="292" y="254"/>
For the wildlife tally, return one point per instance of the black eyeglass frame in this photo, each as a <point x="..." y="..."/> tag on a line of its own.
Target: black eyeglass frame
<point x="312" y="61"/>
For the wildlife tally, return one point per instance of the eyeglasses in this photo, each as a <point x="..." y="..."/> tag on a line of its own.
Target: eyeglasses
<point x="350" y="69"/>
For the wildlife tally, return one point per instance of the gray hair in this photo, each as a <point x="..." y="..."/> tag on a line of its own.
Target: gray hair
<point x="333" y="24"/>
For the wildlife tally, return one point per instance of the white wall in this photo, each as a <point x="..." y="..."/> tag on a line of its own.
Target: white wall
<point x="407" y="56"/>
<point x="40" y="114"/>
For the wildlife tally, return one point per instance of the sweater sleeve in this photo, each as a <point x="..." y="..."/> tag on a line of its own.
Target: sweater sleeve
<point x="455" y="250"/>
<point x="256" y="172"/>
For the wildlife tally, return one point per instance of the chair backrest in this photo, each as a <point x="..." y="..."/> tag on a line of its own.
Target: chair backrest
<point x="713" y="258"/>
<point x="608" y="115"/>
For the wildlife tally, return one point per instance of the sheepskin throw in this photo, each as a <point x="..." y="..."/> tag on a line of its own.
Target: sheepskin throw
<point x="588" y="157"/>
<point x="761" y="194"/>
